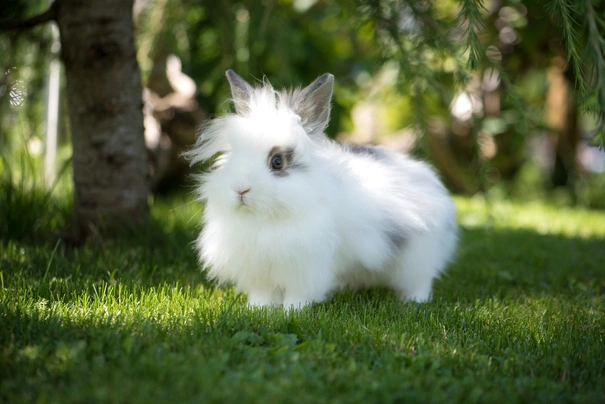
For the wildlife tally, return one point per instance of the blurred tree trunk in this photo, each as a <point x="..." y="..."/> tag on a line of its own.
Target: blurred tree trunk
<point x="451" y="151"/>
<point x="563" y="119"/>
<point x="103" y="88"/>
<point x="172" y="119"/>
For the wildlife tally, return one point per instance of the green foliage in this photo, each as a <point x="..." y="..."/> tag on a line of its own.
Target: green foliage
<point x="595" y="53"/>
<point x="23" y="58"/>
<point x="430" y="50"/>
<point x="582" y="26"/>
<point x="17" y="10"/>
<point x="416" y="37"/>
<point x="422" y="36"/>
<point x="289" y="44"/>
<point x="471" y="15"/>
<point x="564" y="12"/>
<point x="518" y="317"/>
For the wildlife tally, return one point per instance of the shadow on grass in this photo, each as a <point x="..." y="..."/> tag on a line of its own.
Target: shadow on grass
<point x="507" y="263"/>
<point x="323" y="351"/>
<point x="29" y="213"/>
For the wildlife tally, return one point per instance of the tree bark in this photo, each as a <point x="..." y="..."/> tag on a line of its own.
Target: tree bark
<point x="563" y="119"/>
<point x="104" y="94"/>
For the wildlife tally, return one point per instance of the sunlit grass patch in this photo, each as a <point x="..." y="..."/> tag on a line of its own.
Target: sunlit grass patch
<point x="534" y="216"/>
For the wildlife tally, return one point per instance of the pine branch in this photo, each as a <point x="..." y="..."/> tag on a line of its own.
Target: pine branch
<point x="595" y="52"/>
<point x="564" y="11"/>
<point x="523" y="123"/>
<point x="470" y="13"/>
<point x="48" y="15"/>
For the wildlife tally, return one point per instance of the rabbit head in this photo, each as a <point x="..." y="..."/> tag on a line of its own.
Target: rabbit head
<point x="264" y="152"/>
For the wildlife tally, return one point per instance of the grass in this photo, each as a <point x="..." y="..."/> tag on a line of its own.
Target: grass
<point x="520" y="317"/>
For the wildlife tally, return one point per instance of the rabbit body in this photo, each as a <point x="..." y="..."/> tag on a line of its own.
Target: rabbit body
<point x="291" y="216"/>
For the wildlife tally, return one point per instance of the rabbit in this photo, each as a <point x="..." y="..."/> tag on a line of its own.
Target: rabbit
<point x="291" y="216"/>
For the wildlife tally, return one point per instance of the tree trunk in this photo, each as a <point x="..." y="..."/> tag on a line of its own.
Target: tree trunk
<point x="563" y="118"/>
<point x="103" y="88"/>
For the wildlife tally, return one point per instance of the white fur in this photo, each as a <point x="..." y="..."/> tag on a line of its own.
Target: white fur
<point x="339" y="219"/>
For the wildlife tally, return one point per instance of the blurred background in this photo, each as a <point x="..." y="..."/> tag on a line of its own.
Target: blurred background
<point x="491" y="98"/>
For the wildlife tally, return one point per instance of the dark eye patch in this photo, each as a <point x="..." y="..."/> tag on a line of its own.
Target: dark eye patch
<point x="280" y="160"/>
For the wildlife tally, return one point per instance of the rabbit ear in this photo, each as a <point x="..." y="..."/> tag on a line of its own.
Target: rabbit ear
<point x="241" y="92"/>
<point x="313" y="104"/>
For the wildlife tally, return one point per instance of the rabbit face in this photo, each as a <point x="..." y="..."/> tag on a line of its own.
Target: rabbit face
<point x="267" y="163"/>
<point x="266" y="149"/>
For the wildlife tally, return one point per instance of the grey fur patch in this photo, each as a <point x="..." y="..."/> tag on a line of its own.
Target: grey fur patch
<point x="372" y="151"/>
<point x="396" y="236"/>
<point x="298" y="166"/>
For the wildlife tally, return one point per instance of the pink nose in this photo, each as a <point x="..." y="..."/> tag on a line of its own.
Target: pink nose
<point x="242" y="193"/>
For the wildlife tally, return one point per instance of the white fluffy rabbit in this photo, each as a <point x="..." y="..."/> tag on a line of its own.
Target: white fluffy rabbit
<point x="291" y="216"/>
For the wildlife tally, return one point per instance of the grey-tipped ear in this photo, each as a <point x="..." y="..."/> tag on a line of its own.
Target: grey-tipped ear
<point x="313" y="104"/>
<point x="241" y="92"/>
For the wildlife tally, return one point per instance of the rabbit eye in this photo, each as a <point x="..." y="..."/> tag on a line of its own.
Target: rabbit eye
<point x="277" y="162"/>
<point x="280" y="160"/>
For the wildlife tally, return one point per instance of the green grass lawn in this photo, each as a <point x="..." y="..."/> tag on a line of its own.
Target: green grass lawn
<point x="519" y="317"/>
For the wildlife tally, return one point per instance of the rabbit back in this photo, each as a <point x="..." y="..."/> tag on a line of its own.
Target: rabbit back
<point x="393" y="208"/>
